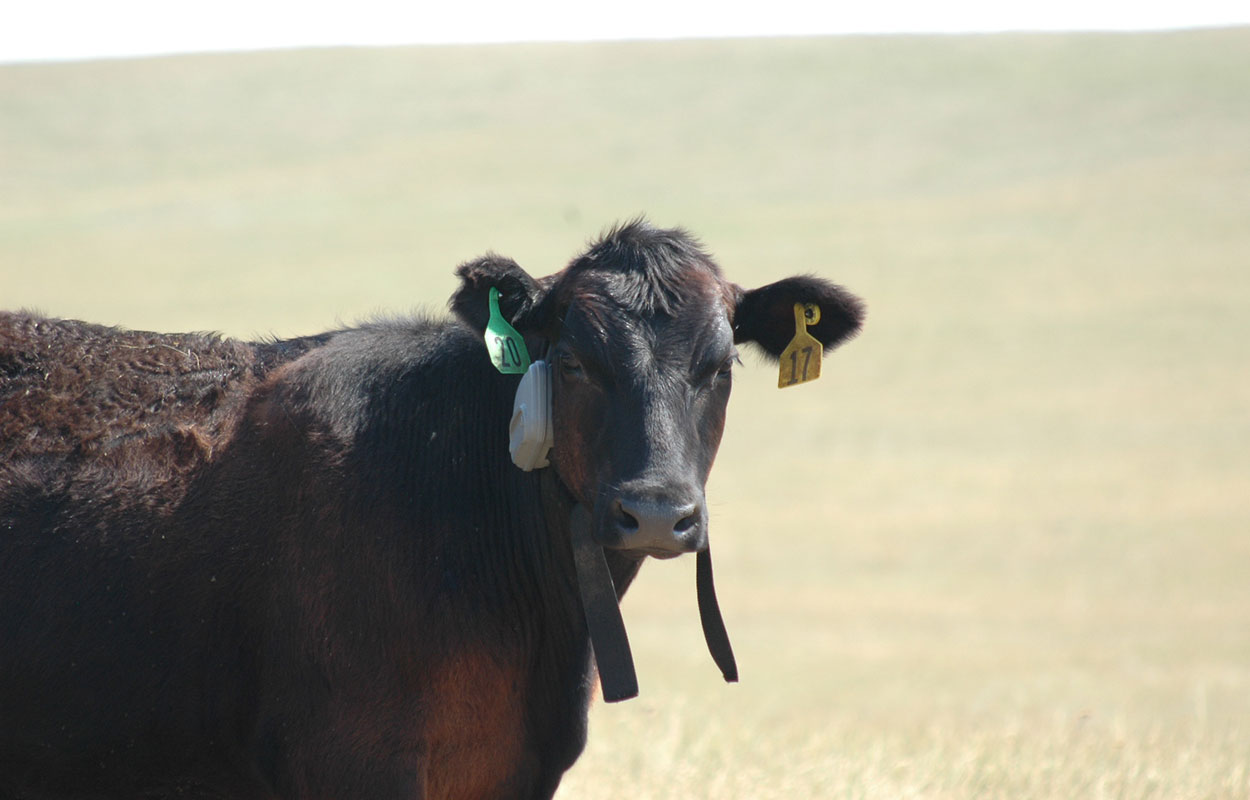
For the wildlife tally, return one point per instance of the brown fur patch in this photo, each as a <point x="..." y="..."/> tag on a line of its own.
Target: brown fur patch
<point x="79" y="390"/>
<point x="475" y="728"/>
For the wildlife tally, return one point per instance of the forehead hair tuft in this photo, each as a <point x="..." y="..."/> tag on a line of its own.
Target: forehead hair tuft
<point x="646" y="269"/>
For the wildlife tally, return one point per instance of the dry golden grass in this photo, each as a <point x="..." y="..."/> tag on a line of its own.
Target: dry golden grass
<point x="999" y="551"/>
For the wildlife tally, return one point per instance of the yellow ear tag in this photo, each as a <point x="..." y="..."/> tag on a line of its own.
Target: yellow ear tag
<point x="800" y="361"/>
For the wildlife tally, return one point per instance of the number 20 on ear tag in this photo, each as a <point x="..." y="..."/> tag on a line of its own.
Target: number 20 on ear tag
<point x="506" y="347"/>
<point x="800" y="361"/>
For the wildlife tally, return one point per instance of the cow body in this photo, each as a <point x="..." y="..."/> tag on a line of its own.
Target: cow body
<point x="298" y="559"/>
<point x="309" y="569"/>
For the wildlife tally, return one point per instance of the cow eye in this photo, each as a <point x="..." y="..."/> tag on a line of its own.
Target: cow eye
<point x="569" y="365"/>
<point x="723" y="372"/>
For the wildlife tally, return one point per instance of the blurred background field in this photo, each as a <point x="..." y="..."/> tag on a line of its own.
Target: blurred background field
<point x="999" y="550"/>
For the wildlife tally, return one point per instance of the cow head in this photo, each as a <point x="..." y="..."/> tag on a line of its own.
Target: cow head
<point x="641" y="333"/>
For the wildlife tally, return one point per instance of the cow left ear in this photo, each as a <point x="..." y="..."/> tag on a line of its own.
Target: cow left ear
<point x="765" y="316"/>
<point x="518" y="292"/>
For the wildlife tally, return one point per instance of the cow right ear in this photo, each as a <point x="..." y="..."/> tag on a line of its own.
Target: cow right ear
<point x="518" y="292"/>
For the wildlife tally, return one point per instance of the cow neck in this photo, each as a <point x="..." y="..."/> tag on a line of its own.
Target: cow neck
<point x="604" y="624"/>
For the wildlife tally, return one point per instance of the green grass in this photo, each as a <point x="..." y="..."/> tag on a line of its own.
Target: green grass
<point x="1000" y="550"/>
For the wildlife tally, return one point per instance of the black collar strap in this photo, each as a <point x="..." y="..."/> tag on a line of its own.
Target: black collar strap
<point x="709" y="615"/>
<point x="598" y="593"/>
<point x="603" y="612"/>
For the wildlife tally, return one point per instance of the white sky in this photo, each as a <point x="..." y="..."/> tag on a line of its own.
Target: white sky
<point x="71" y="29"/>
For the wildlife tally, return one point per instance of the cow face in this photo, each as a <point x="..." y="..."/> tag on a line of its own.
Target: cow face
<point x="641" y="332"/>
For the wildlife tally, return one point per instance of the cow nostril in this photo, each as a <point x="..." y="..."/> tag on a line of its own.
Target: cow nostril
<point x="626" y="521"/>
<point x="686" y="523"/>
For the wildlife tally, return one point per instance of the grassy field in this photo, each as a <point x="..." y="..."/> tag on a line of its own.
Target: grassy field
<point x="1001" y="549"/>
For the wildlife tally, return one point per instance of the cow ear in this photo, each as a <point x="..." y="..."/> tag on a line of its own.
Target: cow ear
<point x="518" y="292"/>
<point x="765" y="316"/>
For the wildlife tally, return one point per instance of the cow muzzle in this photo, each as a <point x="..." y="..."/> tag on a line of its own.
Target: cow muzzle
<point x="655" y="524"/>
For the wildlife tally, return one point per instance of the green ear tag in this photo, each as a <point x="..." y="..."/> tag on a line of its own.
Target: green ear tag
<point x="506" y="346"/>
<point x="800" y="361"/>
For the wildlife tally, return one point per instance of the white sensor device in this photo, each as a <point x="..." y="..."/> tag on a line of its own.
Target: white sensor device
<point x="529" y="432"/>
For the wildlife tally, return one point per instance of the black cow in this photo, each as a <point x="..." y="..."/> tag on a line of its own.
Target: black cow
<point x="308" y="568"/>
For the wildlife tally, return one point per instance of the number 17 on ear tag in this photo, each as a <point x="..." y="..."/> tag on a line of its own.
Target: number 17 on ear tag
<point x="800" y="361"/>
<point x="506" y="347"/>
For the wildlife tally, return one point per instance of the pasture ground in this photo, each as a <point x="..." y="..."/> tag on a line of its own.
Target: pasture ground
<point x="999" y="551"/>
